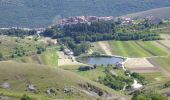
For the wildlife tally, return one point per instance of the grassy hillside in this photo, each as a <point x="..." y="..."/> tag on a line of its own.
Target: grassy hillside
<point x="39" y="13"/>
<point x="15" y="46"/>
<point x="163" y="13"/>
<point x="44" y="78"/>
<point x="49" y="57"/>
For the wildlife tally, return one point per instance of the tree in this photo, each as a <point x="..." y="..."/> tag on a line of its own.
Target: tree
<point x="1" y="56"/>
<point x="62" y="48"/>
<point x="148" y="95"/>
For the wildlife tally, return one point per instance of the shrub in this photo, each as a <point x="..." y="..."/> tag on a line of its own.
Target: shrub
<point x="25" y="97"/>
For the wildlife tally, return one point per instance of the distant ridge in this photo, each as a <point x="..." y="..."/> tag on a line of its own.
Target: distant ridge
<point x="42" y="13"/>
<point x="163" y="13"/>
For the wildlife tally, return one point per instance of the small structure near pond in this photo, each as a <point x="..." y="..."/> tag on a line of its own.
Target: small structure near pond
<point x="86" y="68"/>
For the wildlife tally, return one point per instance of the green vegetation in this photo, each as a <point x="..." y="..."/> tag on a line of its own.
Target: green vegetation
<point x="12" y="47"/>
<point x="135" y="49"/>
<point x="77" y="36"/>
<point x="93" y="74"/>
<point x="154" y="77"/>
<point x="44" y="78"/>
<point x="149" y="95"/>
<point x="152" y="49"/>
<point x="25" y="97"/>
<point x="109" y="76"/>
<point x="78" y="49"/>
<point x="115" y="82"/>
<point x="102" y="30"/>
<point x="167" y="84"/>
<point x="17" y="32"/>
<point x="26" y="13"/>
<point x="49" y="57"/>
<point x="120" y="79"/>
<point x="163" y="62"/>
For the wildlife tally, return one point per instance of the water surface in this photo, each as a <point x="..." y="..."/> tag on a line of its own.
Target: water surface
<point x="100" y="60"/>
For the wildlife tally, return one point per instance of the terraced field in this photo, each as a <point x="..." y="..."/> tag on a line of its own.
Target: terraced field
<point x="136" y="49"/>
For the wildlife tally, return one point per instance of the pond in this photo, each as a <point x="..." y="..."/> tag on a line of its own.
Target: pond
<point x="100" y="60"/>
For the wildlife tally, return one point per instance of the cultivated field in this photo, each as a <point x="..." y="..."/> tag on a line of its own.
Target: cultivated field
<point x="135" y="49"/>
<point x="140" y="65"/>
<point x="97" y="48"/>
<point x="163" y="62"/>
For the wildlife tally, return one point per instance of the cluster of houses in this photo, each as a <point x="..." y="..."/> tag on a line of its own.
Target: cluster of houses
<point x="89" y="19"/>
<point x="125" y="21"/>
<point x="68" y="52"/>
<point x="83" y="19"/>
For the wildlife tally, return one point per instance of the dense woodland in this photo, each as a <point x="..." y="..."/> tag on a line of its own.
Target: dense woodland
<point x="16" y="32"/>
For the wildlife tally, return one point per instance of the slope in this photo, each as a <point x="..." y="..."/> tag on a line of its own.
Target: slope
<point x="61" y="84"/>
<point x="163" y="13"/>
<point x="40" y="13"/>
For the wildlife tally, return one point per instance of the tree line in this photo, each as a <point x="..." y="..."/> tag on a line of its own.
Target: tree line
<point x="17" y="32"/>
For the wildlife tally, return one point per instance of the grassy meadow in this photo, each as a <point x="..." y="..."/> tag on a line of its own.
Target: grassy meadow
<point x="164" y="62"/>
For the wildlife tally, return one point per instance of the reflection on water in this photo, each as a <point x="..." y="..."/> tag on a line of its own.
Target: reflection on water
<point x="100" y="60"/>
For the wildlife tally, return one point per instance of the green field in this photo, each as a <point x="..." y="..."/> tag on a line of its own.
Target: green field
<point x="91" y="74"/>
<point x="164" y="62"/>
<point x="49" y="57"/>
<point x="135" y="49"/>
<point x="155" y="77"/>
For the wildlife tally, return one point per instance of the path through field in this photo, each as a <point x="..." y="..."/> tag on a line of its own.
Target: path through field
<point x="105" y="46"/>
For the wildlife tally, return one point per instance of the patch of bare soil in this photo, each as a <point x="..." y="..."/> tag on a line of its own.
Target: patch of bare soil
<point x="66" y="60"/>
<point x="140" y="65"/>
<point x="37" y="59"/>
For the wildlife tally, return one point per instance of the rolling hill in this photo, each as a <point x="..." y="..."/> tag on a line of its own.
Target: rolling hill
<point x="41" y="13"/>
<point x="47" y="83"/>
<point x="163" y="13"/>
